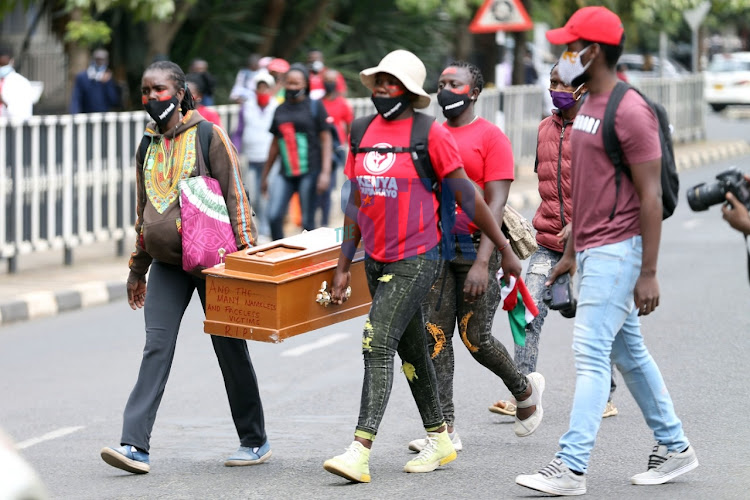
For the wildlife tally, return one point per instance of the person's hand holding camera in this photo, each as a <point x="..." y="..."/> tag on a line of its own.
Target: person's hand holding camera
<point x="735" y="213"/>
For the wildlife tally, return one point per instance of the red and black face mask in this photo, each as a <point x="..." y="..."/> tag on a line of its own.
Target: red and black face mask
<point x="162" y="109"/>
<point x="454" y="101"/>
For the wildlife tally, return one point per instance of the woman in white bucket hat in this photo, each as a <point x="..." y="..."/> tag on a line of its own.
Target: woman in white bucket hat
<point x="394" y="213"/>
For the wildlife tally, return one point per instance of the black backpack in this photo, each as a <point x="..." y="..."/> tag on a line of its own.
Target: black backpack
<point x="205" y="133"/>
<point x="670" y="180"/>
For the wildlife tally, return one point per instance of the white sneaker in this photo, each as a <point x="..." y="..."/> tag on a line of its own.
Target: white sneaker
<point x="556" y="479"/>
<point x="526" y="427"/>
<point x="664" y="466"/>
<point x="418" y="444"/>
<point x="439" y="451"/>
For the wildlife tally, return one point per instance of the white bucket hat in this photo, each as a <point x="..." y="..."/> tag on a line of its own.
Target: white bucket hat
<point x="405" y="66"/>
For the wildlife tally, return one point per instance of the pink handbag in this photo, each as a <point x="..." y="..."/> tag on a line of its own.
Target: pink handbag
<point x="207" y="233"/>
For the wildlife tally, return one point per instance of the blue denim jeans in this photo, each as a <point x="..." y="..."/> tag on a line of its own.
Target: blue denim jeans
<point x="607" y="327"/>
<point x="281" y="191"/>
<point x="395" y="324"/>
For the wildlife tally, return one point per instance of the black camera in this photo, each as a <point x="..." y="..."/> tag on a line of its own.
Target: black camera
<point x="705" y="195"/>
<point x="560" y="297"/>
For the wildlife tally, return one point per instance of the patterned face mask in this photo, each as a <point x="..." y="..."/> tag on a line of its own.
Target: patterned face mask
<point x="570" y="68"/>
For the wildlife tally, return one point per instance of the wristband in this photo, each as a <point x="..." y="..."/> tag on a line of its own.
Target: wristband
<point x="507" y="242"/>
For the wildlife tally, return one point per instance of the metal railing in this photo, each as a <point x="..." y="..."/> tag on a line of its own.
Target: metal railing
<point x="67" y="181"/>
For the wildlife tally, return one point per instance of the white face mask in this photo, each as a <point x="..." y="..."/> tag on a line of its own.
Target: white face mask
<point x="571" y="69"/>
<point x="5" y="70"/>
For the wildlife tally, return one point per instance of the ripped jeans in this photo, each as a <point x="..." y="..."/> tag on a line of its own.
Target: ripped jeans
<point x="395" y="324"/>
<point x="540" y="264"/>
<point x="474" y="326"/>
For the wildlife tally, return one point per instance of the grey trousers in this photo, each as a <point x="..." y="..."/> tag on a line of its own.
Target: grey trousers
<point x="168" y="295"/>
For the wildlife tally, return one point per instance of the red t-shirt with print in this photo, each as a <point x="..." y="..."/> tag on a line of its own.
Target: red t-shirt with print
<point x="399" y="212"/>
<point x="487" y="156"/>
<point x="593" y="175"/>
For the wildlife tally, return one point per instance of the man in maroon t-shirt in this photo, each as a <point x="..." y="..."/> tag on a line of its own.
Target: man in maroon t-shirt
<point x="615" y="254"/>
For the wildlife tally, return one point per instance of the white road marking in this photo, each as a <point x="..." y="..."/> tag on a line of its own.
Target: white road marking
<point x="691" y="223"/>
<point x="48" y="437"/>
<point x="323" y="342"/>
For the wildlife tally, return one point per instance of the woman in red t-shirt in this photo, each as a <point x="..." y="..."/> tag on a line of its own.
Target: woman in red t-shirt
<point x="394" y="213"/>
<point x="467" y="292"/>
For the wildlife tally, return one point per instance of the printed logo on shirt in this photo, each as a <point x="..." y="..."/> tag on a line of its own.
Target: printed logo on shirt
<point x="587" y="124"/>
<point x="377" y="186"/>
<point x="377" y="163"/>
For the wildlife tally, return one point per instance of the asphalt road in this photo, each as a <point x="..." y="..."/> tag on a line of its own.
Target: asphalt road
<point x="71" y="375"/>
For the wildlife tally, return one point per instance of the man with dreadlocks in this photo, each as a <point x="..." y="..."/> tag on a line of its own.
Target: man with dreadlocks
<point x="174" y="150"/>
<point x="467" y="292"/>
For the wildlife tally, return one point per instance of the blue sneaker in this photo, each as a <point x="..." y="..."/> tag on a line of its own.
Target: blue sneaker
<point x="249" y="456"/>
<point x="127" y="458"/>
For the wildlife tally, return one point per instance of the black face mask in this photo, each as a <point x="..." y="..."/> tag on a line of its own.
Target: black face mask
<point x="391" y="108"/>
<point x="162" y="111"/>
<point x="330" y="87"/>
<point x="294" y="94"/>
<point x="453" y="104"/>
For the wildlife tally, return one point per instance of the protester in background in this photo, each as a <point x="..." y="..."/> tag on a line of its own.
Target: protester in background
<point x="243" y="83"/>
<point x="199" y="72"/>
<point x="253" y="139"/>
<point x="340" y="116"/>
<point x="551" y="221"/>
<point x="467" y="292"/>
<point x="303" y="140"/>
<point x="209" y="114"/>
<point x="94" y="90"/>
<point x="278" y="68"/>
<point x="317" y="69"/>
<point x="402" y="257"/>
<point x="174" y="149"/>
<point x="614" y="245"/>
<point x="16" y="93"/>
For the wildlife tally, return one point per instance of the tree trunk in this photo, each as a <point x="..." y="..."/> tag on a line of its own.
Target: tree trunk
<point x="313" y="20"/>
<point x="463" y="44"/>
<point x="271" y="25"/>
<point x="519" y="51"/>
<point x="161" y="34"/>
<point x="78" y="55"/>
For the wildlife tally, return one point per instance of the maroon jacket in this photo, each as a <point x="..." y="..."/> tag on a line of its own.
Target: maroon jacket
<point x="553" y="158"/>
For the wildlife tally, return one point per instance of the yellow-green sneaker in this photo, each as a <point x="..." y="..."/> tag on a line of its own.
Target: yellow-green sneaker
<point x="353" y="464"/>
<point x="438" y="450"/>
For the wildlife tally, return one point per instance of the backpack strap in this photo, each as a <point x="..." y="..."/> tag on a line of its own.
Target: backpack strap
<point x="357" y="132"/>
<point x="205" y="133"/>
<point x="420" y="131"/>
<point x="611" y="142"/>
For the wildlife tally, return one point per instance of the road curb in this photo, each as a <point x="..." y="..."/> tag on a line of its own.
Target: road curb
<point x="710" y="153"/>
<point x="42" y="304"/>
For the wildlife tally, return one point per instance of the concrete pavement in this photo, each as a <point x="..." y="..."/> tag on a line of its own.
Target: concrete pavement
<point x="43" y="286"/>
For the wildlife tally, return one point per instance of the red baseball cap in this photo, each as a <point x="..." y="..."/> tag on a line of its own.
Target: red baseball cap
<point x="594" y="24"/>
<point x="278" y="65"/>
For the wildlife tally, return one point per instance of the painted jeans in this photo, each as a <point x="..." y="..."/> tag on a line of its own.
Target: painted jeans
<point x="474" y="326"/>
<point x="607" y="329"/>
<point x="537" y="272"/>
<point x="395" y="324"/>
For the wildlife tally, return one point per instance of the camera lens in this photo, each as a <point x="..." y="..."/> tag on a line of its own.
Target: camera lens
<point x="704" y="195"/>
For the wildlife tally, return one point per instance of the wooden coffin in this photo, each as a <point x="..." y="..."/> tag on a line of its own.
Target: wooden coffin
<point x="272" y="291"/>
